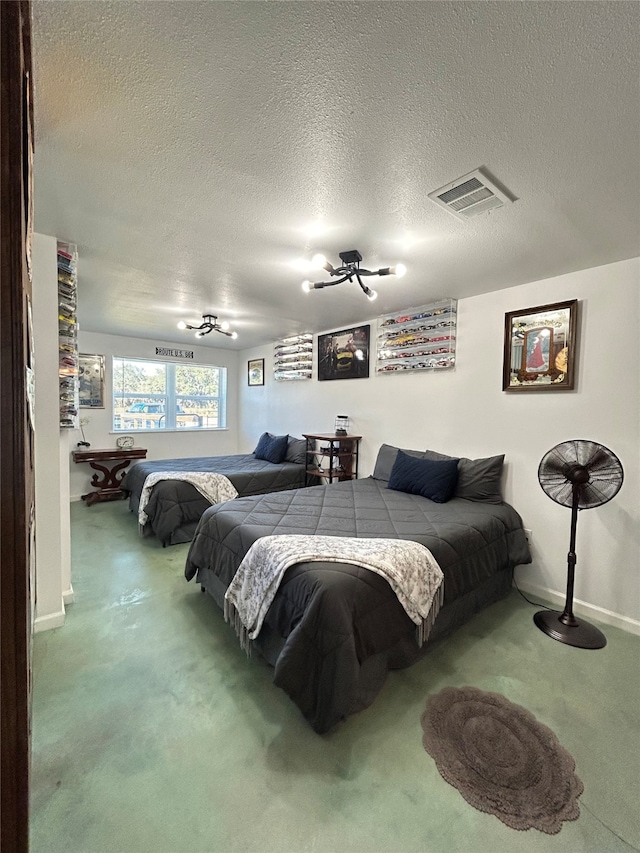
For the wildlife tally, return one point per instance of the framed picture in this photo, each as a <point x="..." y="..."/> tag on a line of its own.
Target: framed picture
<point x="540" y="348"/>
<point x="91" y="381"/>
<point x="344" y="354"/>
<point x="255" y="371"/>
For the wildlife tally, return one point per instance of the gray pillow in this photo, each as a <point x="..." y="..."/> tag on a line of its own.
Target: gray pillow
<point x="478" y="479"/>
<point x="296" y="450"/>
<point x="387" y="457"/>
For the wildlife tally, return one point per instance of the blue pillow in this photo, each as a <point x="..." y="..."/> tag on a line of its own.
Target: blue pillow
<point x="432" y="479"/>
<point x="272" y="448"/>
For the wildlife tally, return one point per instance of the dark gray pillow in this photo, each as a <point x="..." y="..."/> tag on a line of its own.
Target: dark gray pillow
<point x="432" y="478"/>
<point x="478" y="479"/>
<point x="271" y="448"/>
<point x="387" y="457"/>
<point x="296" y="450"/>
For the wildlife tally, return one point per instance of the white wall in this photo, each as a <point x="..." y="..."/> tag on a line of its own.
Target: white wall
<point x="53" y="573"/>
<point x="465" y="412"/>
<point x="160" y="444"/>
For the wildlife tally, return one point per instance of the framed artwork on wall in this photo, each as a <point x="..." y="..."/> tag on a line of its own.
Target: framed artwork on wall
<point x="540" y="348"/>
<point x="344" y="354"/>
<point x="255" y="371"/>
<point x="91" y="381"/>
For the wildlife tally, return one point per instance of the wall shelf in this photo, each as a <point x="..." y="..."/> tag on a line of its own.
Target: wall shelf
<point x="293" y="358"/>
<point x="68" y="336"/>
<point x="422" y="338"/>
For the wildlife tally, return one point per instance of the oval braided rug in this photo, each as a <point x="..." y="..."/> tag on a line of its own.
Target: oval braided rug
<point x="501" y="759"/>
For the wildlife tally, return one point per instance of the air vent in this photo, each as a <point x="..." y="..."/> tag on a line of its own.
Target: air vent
<point x="469" y="196"/>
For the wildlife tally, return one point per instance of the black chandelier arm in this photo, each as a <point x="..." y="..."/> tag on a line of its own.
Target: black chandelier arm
<point x="346" y="271"/>
<point x="318" y="285"/>
<point x="205" y="328"/>
<point x="358" y="270"/>
<point x="370" y="294"/>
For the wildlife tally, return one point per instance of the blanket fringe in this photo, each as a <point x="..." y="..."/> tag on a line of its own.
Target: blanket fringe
<point x="424" y="629"/>
<point x="232" y="617"/>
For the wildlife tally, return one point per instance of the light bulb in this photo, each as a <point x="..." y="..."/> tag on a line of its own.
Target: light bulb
<point x="307" y="285"/>
<point x="399" y="270"/>
<point x="318" y="261"/>
<point x="371" y="294"/>
<point x="224" y="325"/>
<point x="182" y="324"/>
<point x="234" y="335"/>
<point x="200" y="334"/>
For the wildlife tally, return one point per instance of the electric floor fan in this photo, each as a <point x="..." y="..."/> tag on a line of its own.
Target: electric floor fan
<point x="578" y="474"/>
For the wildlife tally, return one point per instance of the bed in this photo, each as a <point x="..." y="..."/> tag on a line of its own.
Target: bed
<point x="175" y="507"/>
<point x="334" y="630"/>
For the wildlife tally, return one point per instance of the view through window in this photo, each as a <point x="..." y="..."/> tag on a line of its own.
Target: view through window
<point x="151" y="395"/>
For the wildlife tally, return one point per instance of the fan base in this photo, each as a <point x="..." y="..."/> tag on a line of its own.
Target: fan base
<point x="583" y="635"/>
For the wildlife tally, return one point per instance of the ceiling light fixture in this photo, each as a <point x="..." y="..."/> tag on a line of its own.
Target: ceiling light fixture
<point x="350" y="268"/>
<point x="209" y="324"/>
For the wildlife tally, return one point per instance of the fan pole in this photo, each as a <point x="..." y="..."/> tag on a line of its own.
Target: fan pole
<point x="564" y="626"/>
<point x="567" y="617"/>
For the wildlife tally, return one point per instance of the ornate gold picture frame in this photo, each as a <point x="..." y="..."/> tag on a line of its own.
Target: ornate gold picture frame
<point x="540" y="348"/>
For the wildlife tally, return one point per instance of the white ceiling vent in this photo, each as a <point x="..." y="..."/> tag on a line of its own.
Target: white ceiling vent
<point x="469" y="196"/>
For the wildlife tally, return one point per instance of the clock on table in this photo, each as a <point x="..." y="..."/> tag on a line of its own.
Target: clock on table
<point x="125" y="442"/>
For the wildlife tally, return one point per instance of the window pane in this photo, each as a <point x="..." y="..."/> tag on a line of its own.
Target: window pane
<point x="150" y="395"/>
<point x="197" y="414"/>
<point x="197" y="381"/>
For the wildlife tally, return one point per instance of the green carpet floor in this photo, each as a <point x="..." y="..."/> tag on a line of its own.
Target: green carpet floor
<point x="153" y="732"/>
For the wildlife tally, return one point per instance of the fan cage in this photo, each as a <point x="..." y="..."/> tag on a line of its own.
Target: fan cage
<point x="556" y="473"/>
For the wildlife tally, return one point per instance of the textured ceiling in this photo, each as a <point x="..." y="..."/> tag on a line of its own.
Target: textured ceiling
<point x="187" y="148"/>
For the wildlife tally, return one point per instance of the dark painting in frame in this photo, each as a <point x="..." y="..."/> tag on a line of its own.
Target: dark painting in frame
<point x="344" y="354"/>
<point x="540" y="348"/>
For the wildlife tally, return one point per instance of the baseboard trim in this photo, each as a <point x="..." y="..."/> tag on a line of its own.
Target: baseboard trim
<point x="589" y="611"/>
<point x="75" y="498"/>
<point x="47" y="623"/>
<point x="67" y="595"/>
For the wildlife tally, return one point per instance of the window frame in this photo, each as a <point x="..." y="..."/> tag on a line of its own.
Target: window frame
<point x="170" y="398"/>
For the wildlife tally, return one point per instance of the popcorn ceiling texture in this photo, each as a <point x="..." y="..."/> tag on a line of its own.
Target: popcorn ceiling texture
<point x="184" y="145"/>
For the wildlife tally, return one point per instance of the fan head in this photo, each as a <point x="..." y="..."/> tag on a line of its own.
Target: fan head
<point x="585" y="467"/>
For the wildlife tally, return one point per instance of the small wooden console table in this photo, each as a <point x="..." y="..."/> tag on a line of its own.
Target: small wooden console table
<point x="111" y="464"/>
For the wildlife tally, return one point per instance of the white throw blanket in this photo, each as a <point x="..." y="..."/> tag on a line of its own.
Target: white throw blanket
<point x="410" y="569"/>
<point x="214" y="487"/>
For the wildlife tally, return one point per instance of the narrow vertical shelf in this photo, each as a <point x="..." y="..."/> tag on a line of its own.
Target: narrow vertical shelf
<point x="68" y="335"/>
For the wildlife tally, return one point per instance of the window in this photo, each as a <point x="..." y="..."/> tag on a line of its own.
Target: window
<point x="151" y="395"/>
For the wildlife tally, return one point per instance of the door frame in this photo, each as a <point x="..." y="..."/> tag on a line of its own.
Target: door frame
<point x="17" y="550"/>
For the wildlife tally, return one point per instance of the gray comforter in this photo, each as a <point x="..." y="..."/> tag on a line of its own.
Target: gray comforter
<point x="334" y="629"/>
<point x="175" y="507"/>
